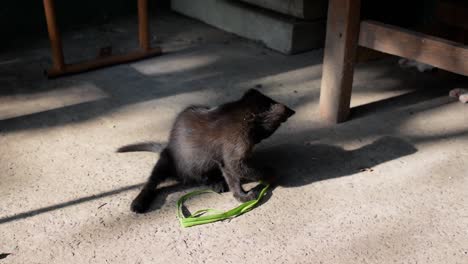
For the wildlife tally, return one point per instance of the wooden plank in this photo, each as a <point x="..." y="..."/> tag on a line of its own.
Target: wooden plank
<point x="440" y="53"/>
<point x="339" y="57"/>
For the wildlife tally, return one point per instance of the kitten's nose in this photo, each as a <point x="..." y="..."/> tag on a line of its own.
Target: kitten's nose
<point x="289" y="111"/>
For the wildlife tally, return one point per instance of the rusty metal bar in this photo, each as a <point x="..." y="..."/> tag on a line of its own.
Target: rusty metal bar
<point x="143" y="24"/>
<point x="103" y="62"/>
<point x="60" y="68"/>
<point x="54" y="36"/>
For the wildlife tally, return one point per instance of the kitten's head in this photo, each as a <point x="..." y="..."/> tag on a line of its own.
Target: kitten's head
<point x="265" y="114"/>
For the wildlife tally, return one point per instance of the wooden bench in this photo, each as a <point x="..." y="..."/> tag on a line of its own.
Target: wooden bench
<point x="346" y="31"/>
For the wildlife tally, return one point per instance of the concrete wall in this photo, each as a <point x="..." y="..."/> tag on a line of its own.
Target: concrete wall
<point x="305" y="9"/>
<point x="277" y="31"/>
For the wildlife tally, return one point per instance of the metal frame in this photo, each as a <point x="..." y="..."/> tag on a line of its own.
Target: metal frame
<point x="59" y="66"/>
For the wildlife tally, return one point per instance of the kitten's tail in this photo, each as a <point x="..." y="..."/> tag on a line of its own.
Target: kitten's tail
<point x="143" y="146"/>
<point x="163" y="169"/>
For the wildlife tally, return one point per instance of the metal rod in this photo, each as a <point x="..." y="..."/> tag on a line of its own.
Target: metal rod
<point x="54" y="35"/>
<point x="143" y="24"/>
<point x="103" y="62"/>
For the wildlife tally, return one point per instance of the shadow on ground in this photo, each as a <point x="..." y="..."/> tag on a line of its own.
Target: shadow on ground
<point x="295" y="164"/>
<point x="302" y="164"/>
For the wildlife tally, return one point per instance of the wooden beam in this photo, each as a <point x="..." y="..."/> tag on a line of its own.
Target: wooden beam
<point x="339" y="57"/>
<point x="440" y="53"/>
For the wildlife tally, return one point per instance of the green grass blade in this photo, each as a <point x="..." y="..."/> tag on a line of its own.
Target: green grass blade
<point x="205" y="216"/>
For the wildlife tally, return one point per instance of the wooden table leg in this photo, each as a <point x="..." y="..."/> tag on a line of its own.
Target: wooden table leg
<point x="143" y="25"/>
<point x="339" y="57"/>
<point x="54" y="36"/>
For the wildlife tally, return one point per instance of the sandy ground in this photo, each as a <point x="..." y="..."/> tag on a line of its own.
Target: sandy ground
<point x="389" y="186"/>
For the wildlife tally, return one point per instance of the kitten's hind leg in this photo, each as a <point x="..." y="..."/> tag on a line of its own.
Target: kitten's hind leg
<point x="163" y="169"/>
<point x="216" y="181"/>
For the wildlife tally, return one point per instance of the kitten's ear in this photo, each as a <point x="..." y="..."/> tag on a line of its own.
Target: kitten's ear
<point x="251" y="92"/>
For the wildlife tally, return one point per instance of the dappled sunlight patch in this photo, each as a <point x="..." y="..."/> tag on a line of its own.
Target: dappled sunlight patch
<point x="12" y="106"/>
<point x="436" y="123"/>
<point x="360" y="97"/>
<point x="307" y="112"/>
<point x="287" y="81"/>
<point x="174" y="64"/>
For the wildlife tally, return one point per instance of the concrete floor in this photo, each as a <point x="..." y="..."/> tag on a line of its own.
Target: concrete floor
<point x="389" y="186"/>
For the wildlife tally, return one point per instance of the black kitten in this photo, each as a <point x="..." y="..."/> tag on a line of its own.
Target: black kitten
<point x="213" y="146"/>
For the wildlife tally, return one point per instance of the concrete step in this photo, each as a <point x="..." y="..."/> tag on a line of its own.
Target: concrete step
<point x="305" y="9"/>
<point x="279" y="32"/>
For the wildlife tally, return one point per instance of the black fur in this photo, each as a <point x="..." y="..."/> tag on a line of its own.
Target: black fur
<point x="213" y="146"/>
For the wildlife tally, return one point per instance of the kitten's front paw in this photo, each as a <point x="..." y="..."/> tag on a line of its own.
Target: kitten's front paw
<point x="251" y="195"/>
<point x="142" y="202"/>
<point x="138" y="207"/>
